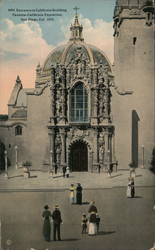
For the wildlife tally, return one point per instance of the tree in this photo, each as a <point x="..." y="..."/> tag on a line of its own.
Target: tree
<point x="2" y="156"/>
<point x="153" y="161"/>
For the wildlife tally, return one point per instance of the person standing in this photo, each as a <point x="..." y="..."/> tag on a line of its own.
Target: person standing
<point x="56" y="215"/>
<point x="64" y="171"/>
<point x="128" y="192"/>
<point x="67" y="172"/>
<point x="132" y="188"/>
<point x="46" y="225"/>
<point x="97" y="222"/>
<point x="92" y="207"/>
<point x="92" y="224"/>
<point x="84" y="224"/>
<point x="72" y="194"/>
<point x="79" y="194"/>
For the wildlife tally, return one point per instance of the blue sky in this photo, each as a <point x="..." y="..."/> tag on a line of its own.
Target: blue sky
<point x="24" y="44"/>
<point x="91" y="9"/>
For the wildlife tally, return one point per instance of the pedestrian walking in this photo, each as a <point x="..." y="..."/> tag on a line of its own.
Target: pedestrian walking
<point x="72" y="194"/>
<point x="67" y="172"/>
<point x="46" y="225"/>
<point x="84" y="224"/>
<point x="79" y="194"/>
<point x="97" y="222"/>
<point x="92" y="224"/>
<point x="64" y="171"/>
<point x="56" y="215"/>
<point x="92" y="207"/>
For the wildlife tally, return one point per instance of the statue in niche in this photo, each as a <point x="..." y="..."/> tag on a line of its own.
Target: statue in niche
<point x="101" y="138"/>
<point x="58" y="147"/>
<point x="107" y="95"/>
<point x="101" y="153"/>
<point x="59" y="102"/>
<point x="79" y="68"/>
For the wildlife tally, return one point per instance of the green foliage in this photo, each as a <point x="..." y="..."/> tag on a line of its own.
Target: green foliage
<point x="27" y="163"/>
<point x="153" y="161"/>
<point x="3" y="117"/>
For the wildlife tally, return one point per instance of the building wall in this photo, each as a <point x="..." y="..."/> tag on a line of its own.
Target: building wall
<point x="37" y="135"/>
<point x="134" y="70"/>
<point x="8" y="137"/>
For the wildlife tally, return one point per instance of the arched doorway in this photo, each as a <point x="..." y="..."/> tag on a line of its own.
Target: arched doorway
<point x="79" y="157"/>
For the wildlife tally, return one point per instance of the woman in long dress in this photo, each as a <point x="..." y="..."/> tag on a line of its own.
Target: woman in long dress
<point x="128" y="191"/>
<point x="47" y="224"/>
<point x="72" y="194"/>
<point x="92" y="230"/>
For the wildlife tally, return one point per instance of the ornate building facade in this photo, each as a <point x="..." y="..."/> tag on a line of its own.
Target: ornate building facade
<point x="83" y="112"/>
<point x="66" y="118"/>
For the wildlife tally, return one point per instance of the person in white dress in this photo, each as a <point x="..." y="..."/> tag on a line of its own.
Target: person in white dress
<point x="92" y="230"/>
<point x="72" y="194"/>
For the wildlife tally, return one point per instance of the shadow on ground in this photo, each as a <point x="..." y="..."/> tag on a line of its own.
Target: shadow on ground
<point x="113" y="176"/>
<point x="106" y="232"/>
<point x="10" y="177"/>
<point x="70" y="239"/>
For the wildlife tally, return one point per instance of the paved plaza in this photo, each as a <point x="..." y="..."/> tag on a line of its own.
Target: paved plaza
<point x="42" y="180"/>
<point x="126" y="223"/>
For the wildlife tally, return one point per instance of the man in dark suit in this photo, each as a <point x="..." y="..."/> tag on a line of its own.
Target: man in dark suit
<point x="64" y="171"/>
<point x="56" y="215"/>
<point x="79" y="194"/>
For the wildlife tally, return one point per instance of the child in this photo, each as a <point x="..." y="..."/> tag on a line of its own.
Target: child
<point x="84" y="224"/>
<point x="97" y="222"/>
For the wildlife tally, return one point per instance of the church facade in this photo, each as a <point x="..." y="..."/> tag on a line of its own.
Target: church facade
<point x="83" y="112"/>
<point x="66" y="119"/>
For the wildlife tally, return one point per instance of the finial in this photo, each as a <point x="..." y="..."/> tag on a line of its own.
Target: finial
<point x="76" y="9"/>
<point x="76" y="28"/>
<point x="18" y="80"/>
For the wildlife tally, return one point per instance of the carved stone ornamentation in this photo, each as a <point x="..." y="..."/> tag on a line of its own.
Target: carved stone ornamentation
<point x="58" y="148"/>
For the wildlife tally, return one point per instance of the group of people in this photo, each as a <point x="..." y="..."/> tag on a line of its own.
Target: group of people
<point x="52" y="222"/>
<point x="75" y="195"/>
<point x="91" y="224"/>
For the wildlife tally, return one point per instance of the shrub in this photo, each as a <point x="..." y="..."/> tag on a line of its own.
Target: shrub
<point x="27" y="163"/>
<point x="152" y="168"/>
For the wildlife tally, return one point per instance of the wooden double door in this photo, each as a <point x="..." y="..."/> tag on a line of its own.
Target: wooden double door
<point x="79" y="157"/>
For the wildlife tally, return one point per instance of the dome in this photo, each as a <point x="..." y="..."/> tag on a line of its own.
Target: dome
<point x="66" y="53"/>
<point x="76" y="47"/>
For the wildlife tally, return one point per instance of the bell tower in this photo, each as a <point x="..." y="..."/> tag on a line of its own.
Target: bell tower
<point x="135" y="70"/>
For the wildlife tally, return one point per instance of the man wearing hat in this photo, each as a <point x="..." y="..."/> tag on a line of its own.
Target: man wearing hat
<point x="79" y="194"/>
<point x="56" y="215"/>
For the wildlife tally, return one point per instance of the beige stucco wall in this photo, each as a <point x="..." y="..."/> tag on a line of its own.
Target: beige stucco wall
<point x="7" y="136"/>
<point x="134" y="70"/>
<point x="37" y="135"/>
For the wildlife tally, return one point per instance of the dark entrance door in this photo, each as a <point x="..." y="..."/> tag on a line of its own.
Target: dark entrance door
<point x="79" y="157"/>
